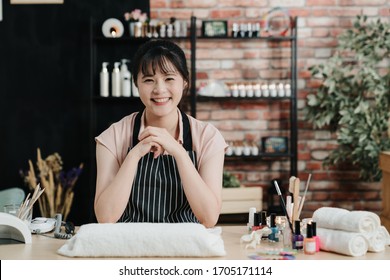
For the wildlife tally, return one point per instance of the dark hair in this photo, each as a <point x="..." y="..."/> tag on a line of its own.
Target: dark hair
<point x="155" y="54"/>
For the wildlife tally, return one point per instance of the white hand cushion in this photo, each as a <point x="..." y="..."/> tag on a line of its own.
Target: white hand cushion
<point x="144" y="240"/>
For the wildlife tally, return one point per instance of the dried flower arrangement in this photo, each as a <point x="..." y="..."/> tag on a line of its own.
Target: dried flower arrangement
<point x="58" y="184"/>
<point x="136" y="15"/>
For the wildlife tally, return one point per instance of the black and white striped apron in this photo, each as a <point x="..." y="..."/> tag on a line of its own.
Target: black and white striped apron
<point x="157" y="195"/>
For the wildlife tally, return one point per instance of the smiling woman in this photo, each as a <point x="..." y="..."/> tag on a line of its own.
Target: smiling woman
<point x="159" y="165"/>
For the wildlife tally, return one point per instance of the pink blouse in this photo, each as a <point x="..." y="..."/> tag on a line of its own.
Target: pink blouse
<point x="206" y="138"/>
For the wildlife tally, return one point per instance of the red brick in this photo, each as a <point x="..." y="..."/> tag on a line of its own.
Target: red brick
<point x="156" y="4"/>
<point x="314" y="165"/>
<point x="201" y="75"/>
<point x="224" y="14"/>
<point x="176" y="4"/>
<point x="384" y="12"/>
<point x="180" y="14"/>
<point x="303" y="155"/>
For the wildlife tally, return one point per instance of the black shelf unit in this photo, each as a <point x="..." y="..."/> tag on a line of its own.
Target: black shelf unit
<point x="113" y="49"/>
<point x="293" y="145"/>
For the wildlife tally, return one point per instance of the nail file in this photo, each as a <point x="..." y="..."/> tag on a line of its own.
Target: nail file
<point x="291" y="184"/>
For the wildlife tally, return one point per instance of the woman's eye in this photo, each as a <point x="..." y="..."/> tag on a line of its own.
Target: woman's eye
<point x="148" y="81"/>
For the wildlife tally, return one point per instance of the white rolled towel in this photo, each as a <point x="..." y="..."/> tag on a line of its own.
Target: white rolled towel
<point x="342" y="219"/>
<point x="378" y="240"/>
<point x="144" y="240"/>
<point x="343" y="242"/>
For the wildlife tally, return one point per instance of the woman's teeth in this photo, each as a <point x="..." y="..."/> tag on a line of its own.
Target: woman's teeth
<point x="161" y="100"/>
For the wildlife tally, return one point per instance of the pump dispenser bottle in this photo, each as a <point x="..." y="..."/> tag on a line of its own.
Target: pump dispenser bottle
<point x="104" y="80"/>
<point x="116" y="80"/>
<point x="125" y="79"/>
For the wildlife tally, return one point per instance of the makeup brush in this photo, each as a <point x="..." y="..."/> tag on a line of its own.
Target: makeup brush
<point x="283" y="204"/>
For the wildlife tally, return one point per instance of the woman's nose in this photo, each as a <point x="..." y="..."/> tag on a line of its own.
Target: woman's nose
<point x="159" y="87"/>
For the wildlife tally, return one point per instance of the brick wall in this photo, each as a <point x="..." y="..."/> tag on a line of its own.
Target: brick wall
<point x="320" y="21"/>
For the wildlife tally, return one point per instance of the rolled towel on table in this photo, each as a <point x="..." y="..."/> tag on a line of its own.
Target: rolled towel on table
<point x="144" y="240"/>
<point x="378" y="240"/>
<point x="343" y="242"/>
<point x="342" y="219"/>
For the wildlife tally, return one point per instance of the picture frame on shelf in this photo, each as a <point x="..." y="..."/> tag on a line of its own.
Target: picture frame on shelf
<point x="214" y="28"/>
<point x="274" y="145"/>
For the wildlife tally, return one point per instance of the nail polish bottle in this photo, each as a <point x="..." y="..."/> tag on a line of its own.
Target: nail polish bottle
<point x="317" y="239"/>
<point x="297" y="239"/>
<point x="274" y="236"/>
<point x="263" y="222"/>
<point x="263" y="219"/>
<point x="251" y="218"/>
<point x="256" y="222"/>
<point x="309" y="243"/>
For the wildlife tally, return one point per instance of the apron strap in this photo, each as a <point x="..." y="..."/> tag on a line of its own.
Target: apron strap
<point x="187" y="137"/>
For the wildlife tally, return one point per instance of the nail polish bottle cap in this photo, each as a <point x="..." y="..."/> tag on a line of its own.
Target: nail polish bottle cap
<point x="309" y="231"/>
<point x="256" y="219"/>
<point x="314" y="228"/>
<point x="272" y="220"/>
<point x="263" y="218"/>
<point x="297" y="227"/>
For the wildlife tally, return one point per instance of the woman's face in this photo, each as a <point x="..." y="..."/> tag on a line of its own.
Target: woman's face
<point x="161" y="91"/>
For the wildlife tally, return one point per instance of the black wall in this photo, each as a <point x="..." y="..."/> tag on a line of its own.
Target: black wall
<point x="45" y="89"/>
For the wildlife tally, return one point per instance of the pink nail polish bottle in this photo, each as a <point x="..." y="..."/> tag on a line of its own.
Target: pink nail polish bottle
<point x="317" y="239"/>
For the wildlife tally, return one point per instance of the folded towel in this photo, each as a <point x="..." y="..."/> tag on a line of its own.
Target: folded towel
<point x="342" y="219"/>
<point x="378" y="240"/>
<point x="144" y="240"/>
<point x="342" y="242"/>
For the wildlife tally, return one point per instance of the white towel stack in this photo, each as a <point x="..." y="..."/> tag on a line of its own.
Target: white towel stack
<point x="350" y="233"/>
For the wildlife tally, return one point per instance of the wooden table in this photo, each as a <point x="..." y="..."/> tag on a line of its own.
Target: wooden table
<point x="44" y="248"/>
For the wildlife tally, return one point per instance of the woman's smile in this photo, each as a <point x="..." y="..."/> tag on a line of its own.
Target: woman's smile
<point x="161" y="101"/>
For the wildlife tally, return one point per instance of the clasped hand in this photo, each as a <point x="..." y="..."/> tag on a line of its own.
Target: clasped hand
<point x="156" y="140"/>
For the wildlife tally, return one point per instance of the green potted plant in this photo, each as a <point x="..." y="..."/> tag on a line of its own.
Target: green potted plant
<point x="353" y="99"/>
<point x="230" y="181"/>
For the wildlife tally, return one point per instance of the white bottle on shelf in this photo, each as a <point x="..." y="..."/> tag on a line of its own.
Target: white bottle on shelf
<point x="104" y="81"/>
<point x="116" y="80"/>
<point x="125" y="79"/>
